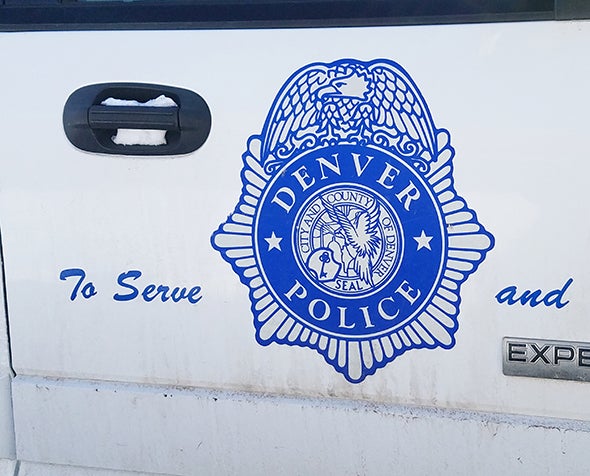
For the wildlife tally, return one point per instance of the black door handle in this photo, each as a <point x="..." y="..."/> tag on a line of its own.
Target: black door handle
<point x="133" y="117"/>
<point x="91" y="125"/>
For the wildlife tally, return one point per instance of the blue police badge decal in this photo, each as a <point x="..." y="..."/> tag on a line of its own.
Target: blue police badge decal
<point x="349" y="233"/>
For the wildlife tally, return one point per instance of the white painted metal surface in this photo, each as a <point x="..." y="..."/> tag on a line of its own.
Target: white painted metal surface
<point x="188" y="432"/>
<point x="27" y="468"/>
<point x="7" y="444"/>
<point x="7" y="467"/>
<point x="514" y="98"/>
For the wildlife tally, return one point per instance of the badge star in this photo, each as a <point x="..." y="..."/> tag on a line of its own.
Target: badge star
<point x="274" y="242"/>
<point x="423" y="241"/>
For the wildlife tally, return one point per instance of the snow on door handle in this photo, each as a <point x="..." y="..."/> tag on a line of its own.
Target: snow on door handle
<point x="136" y="119"/>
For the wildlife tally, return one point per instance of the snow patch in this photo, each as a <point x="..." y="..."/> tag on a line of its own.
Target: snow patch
<point x="140" y="136"/>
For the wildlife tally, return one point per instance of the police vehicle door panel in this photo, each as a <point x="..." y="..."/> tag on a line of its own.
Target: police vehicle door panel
<point x="385" y="214"/>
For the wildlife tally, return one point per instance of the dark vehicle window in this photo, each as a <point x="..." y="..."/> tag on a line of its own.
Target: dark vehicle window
<point x="141" y="14"/>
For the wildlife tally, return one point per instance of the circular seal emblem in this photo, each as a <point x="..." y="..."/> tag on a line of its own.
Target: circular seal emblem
<point x="348" y="240"/>
<point x="349" y="232"/>
<point x="339" y="244"/>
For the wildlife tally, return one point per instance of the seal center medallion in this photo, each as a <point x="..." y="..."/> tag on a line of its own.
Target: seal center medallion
<point x="348" y="240"/>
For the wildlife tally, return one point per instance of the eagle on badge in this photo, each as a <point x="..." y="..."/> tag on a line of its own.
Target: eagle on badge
<point x="353" y="103"/>
<point x="360" y="235"/>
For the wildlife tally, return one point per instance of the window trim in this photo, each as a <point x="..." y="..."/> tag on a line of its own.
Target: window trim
<point x="36" y="15"/>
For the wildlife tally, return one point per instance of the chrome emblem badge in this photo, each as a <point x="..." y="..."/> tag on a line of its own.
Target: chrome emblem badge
<point x="349" y="232"/>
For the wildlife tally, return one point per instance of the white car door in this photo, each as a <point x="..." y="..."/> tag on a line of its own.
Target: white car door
<point x="318" y="249"/>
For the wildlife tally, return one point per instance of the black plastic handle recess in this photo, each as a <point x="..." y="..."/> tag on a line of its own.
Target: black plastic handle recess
<point x="90" y="125"/>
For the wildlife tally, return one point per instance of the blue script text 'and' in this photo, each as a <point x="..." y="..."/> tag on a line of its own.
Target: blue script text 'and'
<point x="511" y="295"/>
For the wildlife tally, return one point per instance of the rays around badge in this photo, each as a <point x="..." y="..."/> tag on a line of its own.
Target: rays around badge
<point x="349" y="232"/>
